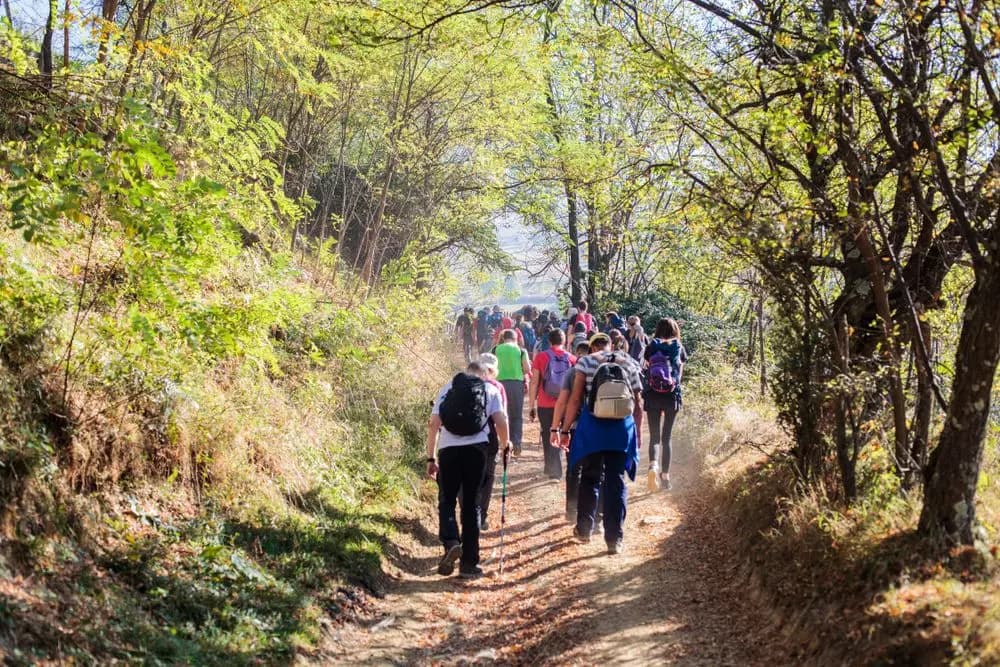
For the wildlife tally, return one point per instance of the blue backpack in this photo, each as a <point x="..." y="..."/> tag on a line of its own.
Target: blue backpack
<point x="482" y="322"/>
<point x="529" y="336"/>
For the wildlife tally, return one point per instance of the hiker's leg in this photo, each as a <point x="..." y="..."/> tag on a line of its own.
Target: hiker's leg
<point x="486" y="490"/>
<point x="599" y="513"/>
<point x="615" y="495"/>
<point x="515" y="409"/>
<point x="653" y="417"/>
<point x="473" y="459"/>
<point x="669" y="415"/>
<point x="572" y="487"/>
<point x="590" y="481"/>
<point x="553" y="455"/>
<point x="449" y="481"/>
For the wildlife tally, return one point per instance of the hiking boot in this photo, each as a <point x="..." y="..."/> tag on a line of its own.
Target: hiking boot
<point x="470" y="572"/>
<point x="599" y="526"/>
<point x="580" y="537"/>
<point x="665" y="483"/>
<point x="484" y="525"/>
<point x="653" y="479"/>
<point x="571" y="516"/>
<point x="516" y="450"/>
<point x="616" y="547"/>
<point x="452" y="552"/>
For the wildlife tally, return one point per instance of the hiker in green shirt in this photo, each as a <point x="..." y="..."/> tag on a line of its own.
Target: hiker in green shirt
<point x="513" y="373"/>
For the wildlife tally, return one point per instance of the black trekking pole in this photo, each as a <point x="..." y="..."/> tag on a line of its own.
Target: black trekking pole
<point x="503" y="503"/>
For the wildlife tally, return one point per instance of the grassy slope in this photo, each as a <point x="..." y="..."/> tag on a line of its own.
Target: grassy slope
<point x="224" y="521"/>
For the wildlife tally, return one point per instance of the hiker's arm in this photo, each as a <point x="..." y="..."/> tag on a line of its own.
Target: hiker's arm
<point x="637" y="416"/>
<point x="533" y="392"/>
<point x="433" y="428"/>
<point x="560" y="410"/>
<point x="525" y="366"/>
<point x="575" y="398"/>
<point x="557" y="419"/>
<point x="500" y="424"/>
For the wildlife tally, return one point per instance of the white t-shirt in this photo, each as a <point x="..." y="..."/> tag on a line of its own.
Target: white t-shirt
<point x="494" y="404"/>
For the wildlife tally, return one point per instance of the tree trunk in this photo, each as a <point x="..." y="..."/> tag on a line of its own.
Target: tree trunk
<point x="66" y="35"/>
<point x="45" y="53"/>
<point x="949" y="511"/>
<point x="925" y="399"/>
<point x="572" y="226"/>
<point x="847" y="449"/>
<point x="760" y="345"/>
<point x="6" y="8"/>
<point x="143" y="12"/>
<point x="597" y="271"/>
<point x="109" y="8"/>
<point x="846" y="459"/>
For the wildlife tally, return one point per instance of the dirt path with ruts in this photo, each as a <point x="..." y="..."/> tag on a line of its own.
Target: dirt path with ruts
<point x="673" y="597"/>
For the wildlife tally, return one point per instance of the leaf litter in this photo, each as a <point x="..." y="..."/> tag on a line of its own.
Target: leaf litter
<point x="675" y="596"/>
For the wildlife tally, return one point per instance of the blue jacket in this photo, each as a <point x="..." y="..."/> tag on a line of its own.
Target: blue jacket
<point x="594" y="435"/>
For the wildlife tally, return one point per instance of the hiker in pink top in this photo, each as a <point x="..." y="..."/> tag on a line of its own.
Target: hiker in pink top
<point x="490" y="364"/>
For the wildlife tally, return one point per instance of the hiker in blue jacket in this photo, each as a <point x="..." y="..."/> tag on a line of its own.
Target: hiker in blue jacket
<point x="606" y="403"/>
<point x="612" y="321"/>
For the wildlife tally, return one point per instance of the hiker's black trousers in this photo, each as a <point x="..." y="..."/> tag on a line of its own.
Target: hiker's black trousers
<point x="615" y="492"/>
<point x="489" y="478"/>
<point x="573" y="476"/>
<point x="553" y="455"/>
<point x="662" y="413"/>
<point x="461" y="467"/>
<point x="515" y="409"/>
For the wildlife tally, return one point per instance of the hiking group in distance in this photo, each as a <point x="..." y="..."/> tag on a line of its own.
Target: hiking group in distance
<point x="588" y="386"/>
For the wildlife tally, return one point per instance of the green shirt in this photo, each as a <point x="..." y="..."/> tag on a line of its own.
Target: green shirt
<point x="510" y="357"/>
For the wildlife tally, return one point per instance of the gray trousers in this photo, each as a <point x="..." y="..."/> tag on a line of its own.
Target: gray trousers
<point x="515" y="409"/>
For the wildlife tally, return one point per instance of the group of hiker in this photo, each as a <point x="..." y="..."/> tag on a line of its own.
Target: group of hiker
<point x="587" y="385"/>
<point x="480" y="331"/>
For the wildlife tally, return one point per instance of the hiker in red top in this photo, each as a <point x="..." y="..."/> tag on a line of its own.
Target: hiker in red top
<point x="507" y="323"/>
<point x="583" y="316"/>
<point x="548" y="372"/>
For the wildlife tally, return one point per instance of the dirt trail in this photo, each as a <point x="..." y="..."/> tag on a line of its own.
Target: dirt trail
<point x="673" y="597"/>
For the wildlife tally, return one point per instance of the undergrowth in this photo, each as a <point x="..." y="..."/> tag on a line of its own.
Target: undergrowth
<point x="221" y="500"/>
<point x="851" y="582"/>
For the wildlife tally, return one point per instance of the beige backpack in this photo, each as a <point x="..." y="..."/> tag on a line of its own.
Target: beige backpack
<point x="610" y="394"/>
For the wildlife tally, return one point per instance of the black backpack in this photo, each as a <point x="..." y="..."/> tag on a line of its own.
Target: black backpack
<point x="463" y="410"/>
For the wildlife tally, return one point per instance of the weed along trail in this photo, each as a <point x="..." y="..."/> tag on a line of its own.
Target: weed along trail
<point x="673" y="597"/>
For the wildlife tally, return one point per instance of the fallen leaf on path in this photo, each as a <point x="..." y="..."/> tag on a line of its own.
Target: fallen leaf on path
<point x="384" y="623"/>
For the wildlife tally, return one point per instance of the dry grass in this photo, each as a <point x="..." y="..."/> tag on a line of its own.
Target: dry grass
<point x="849" y="584"/>
<point x="207" y="503"/>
